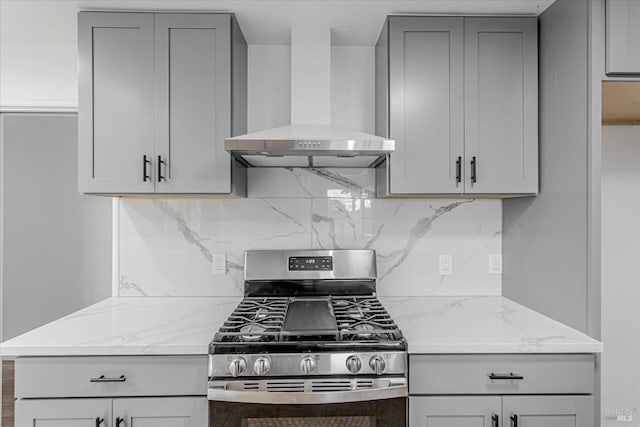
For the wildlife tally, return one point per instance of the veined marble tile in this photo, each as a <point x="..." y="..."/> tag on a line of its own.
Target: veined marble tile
<point x="409" y="235"/>
<point x="166" y="246"/>
<point x="311" y="183"/>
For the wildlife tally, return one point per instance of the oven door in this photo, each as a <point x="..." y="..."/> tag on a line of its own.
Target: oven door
<point x="323" y="403"/>
<point x="374" y="413"/>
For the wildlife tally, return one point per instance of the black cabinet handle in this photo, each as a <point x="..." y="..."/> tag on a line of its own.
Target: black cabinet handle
<point x="145" y="162"/>
<point x="509" y="376"/>
<point x="119" y="421"/>
<point x="473" y="170"/>
<point x="514" y="420"/>
<point x="99" y="421"/>
<point x="459" y="170"/>
<point x="495" y="419"/>
<point x="103" y="379"/>
<point x="160" y="164"/>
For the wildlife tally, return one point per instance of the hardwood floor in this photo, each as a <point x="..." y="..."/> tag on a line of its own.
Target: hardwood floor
<point x="7" y="393"/>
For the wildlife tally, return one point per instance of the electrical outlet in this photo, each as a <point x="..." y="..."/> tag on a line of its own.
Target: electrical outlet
<point x="495" y="263"/>
<point x="446" y="264"/>
<point x="219" y="264"/>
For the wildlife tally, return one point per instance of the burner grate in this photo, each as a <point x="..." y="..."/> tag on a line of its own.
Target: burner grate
<point x="254" y="320"/>
<point x="262" y="320"/>
<point x="364" y="319"/>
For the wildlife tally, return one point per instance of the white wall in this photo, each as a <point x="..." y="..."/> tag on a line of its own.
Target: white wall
<point x="38" y="75"/>
<point x="620" y="259"/>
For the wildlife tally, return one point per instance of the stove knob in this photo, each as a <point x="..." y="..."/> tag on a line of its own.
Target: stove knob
<point x="262" y="366"/>
<point x="377" y="364"/>
<point x="353" y="364"/>
<point x="237" y="367"/>
<point x="307" y="365"/>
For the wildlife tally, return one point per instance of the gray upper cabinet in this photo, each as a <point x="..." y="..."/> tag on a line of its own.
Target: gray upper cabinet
<point x="115" y="119"/>
<point x="459" y="96"/>
<point x="501" y="105"/>
<point x="622" y="37"/>
<point x="426" y="108"/>
<point x="157" y="96"/>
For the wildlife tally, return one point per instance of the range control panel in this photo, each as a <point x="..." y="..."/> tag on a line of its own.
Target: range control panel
<point x="320" y="263"/>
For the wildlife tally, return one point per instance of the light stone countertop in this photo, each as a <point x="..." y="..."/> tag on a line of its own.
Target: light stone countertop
<point x="186" y="325"/>
<point x="491" y="324"/>
<point x="129" y="326"/>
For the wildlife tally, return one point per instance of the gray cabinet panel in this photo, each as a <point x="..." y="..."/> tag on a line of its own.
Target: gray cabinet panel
<point x="501" y="127"/>
<point x="162" y="412"/>
<point x="464" y="374"/>
<point x="622" y="37"/>
<point x="193" y="87"/>
<point x="460" y="411"/>
<point x="115" y="101"/>
<point x="63" y="413"/>
<point x="549" y="411"/>
<point x="59" y="377"/>
<point x="426" y="103"/>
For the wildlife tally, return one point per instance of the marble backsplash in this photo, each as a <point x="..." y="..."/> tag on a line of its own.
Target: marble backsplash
<point x="166" y="245"/>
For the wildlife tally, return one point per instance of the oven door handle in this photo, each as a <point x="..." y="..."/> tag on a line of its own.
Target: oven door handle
<point x="306" y="398"/>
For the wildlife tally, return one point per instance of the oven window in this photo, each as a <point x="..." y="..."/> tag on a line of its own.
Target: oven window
<point x="311" y="422"/>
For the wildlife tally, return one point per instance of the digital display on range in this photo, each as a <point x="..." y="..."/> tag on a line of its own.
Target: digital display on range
<point x="320" y="263"/>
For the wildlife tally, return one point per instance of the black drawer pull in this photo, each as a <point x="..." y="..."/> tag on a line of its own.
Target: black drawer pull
<point x="514" y="420"/>
<point x="119" y="421"/>
<point x="99" y="421"/>
<point x="509" y="376"/>
<point x="103" y="379"/>
<point x="496" y="420"/>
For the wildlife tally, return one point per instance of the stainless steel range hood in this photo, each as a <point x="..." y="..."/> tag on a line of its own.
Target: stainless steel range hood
<point x="310" y="140"/>
<point x="309" y="146"/>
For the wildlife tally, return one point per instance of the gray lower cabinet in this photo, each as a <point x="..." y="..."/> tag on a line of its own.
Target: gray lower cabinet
<point x="132" y="412"/>
<point x="501" y="390"/>
<point x="463" y="411"/>
<point x="63" y="413"/>
<point x="158" y="94"/>
<point x="112" y="391"/>
<point x="460" y="98"/>
<point x="622" y="37"/>
<point x="543" y="411"/>
<point x="501" y="411"/>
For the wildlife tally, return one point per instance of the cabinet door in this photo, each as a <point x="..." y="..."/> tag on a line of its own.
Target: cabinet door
<point x="63" y="413"/>
<point x="193" y="103"/>
<point x="548" y="411"/>
<point x="623" y="36"/>
<point x="458" y="411"/>
<point x="501" y="105"/>
<point x="426" y="104"/>
<point x="115" y="120"/>
<point x="162" y="412"/>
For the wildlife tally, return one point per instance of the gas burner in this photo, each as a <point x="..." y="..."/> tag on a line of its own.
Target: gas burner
<point x="252" y="331"/>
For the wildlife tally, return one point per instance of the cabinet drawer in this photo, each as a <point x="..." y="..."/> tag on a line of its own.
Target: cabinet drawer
<point x="131" y="376"/>
<point x="530" y="374"/>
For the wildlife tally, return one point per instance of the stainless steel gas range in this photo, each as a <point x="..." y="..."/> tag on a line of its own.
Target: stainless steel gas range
<point x="309" y="345"/>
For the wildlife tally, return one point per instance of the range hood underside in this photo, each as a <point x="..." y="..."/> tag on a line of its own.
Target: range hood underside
<point x="319" y="147"/>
